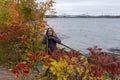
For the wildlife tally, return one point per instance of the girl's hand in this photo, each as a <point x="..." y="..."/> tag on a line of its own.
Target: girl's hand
<point x="49" y="37"/>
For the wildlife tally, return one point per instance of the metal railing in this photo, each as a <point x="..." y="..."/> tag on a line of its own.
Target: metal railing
<point x="37" y="47"/>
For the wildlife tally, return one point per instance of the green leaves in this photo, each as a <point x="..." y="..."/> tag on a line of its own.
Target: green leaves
<point x="19" y="22"/>
<point x="27" y="12"/>
<point x="4" y="13"/>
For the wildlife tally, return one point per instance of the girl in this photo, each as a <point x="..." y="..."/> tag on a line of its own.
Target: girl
<point x="50" y="39"/>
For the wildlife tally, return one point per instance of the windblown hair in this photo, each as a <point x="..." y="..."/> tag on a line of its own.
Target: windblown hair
<point x="53" y="32"/>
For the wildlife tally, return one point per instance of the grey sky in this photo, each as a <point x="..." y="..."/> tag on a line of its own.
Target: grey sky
<point x="91" y="7"/>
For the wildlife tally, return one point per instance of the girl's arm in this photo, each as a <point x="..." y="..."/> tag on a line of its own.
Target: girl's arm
<point x="56" y="39"/>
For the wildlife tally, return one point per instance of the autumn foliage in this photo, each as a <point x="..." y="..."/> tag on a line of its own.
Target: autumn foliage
<point x="19" y="22"/>
<point x="69" y="65"/>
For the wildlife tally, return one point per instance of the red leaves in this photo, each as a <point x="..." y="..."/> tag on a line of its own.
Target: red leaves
<point x="14" y="32"/>
<point x="113" y="68"/>
<point x="94" y="49"/>
<point x="34" y="56"/>
<point x="26" y="71"/>
<point x="15" y="71"/>
<point x="21" y="68"/>
<point x="98" y="71"/>
<point x="106" y="60"/>
<point x="1" y="37"/>
<point x="58" y="53"/>
<point x="74" y="54"/>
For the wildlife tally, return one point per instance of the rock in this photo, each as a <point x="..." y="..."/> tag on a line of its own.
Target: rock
<point x="114" y="50"/>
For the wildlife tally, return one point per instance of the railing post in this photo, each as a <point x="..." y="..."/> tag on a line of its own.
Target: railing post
<point x="36" y="50"/>
<point x="38" y="65"/>
<point x="47" y="45"/>
<point x="36" y="41"/>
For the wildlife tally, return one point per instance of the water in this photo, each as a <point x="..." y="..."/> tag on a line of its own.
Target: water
<point x="81" y="33"/>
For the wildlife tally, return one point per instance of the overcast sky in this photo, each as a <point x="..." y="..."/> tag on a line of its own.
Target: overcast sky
<point x="91" y="7"/>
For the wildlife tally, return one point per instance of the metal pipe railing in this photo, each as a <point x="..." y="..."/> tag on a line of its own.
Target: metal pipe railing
<point x="99" y="63"/>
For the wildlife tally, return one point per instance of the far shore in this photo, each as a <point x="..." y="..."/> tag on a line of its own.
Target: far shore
<point x="82" y="16"/>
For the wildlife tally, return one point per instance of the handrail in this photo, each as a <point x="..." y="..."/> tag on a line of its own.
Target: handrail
<point x="74" y="50"/>
<point x="99" y="63"/>
<point x="67" y="46"/>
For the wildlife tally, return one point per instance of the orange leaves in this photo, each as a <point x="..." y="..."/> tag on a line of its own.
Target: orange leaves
<point x="4" y="13"/>
<point x="14" y="12"/>
<point x="14" y="32"/>
<point x="33" y="56"/>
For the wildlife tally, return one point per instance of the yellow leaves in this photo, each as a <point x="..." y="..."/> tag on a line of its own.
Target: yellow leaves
<point x="83" y="58"/>
<point x="91" y="78"/>
<point x="86" y="62"/>
<point x="87" y="70"/>
<point x="74" y="59"/>
<point x="58" y="66"/>
<point x="65" y="78"/>
<point x="63" y="63"/>
<point x="62" y="69"/>
<point x="79" y="70"/>
<point x="60" y="78"/>
<point x="54" y="63"/>
<point x="24" y="62"/>
<point x="53" y="70"/>
<point x="85" y="77"/>
<point x="117" y="77"/>
<point x="70" y="69"/>
<point x="45" y="67"/>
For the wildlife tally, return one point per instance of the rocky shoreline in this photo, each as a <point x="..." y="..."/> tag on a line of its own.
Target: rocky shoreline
<point x="115" y="50"/>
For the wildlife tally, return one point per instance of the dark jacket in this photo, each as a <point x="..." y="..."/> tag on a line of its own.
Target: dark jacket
<point x="52" y="40"/>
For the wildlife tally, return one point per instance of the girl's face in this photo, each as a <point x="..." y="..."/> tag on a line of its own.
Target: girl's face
<point x="50" y="31"/>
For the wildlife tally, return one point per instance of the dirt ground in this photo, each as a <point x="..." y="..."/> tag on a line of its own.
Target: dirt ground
<point x="5" y="74"/>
